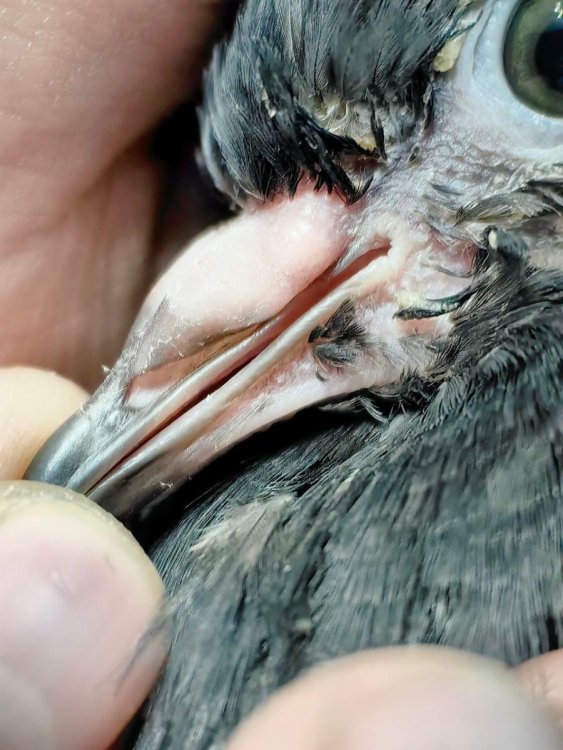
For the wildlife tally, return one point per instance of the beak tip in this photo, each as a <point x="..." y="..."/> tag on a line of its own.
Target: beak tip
<point x="58" y="461"/>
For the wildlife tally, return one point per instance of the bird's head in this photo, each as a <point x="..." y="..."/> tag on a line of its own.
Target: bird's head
<point x="367" y="146"/>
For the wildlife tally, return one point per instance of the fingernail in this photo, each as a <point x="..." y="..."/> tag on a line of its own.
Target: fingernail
<point x="453" y="712"/>
<point x="77" y="597"/>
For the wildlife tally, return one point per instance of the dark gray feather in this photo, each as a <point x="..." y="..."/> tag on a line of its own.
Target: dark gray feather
<point x="278" y="95"/>
<point x="442" y="525"/>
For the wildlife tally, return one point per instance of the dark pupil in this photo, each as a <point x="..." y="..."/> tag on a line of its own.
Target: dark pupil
<point x="549" y="55"/>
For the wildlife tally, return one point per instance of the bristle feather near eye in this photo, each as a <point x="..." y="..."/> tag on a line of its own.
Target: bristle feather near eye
<point x="303" y="84"/>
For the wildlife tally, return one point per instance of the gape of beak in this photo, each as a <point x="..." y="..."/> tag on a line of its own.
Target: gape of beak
<point x="291" y="304"/>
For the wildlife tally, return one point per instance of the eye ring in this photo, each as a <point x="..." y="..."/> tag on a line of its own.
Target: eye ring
<point x="533" y="55"/>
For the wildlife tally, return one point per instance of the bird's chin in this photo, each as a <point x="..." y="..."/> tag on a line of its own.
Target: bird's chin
<point x="287" y="306"/>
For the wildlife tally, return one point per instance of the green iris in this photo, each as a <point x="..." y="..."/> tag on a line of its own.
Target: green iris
<point x="533" y="55"/>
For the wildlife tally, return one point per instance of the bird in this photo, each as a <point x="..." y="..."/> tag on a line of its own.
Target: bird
<point x="337" y="421"/>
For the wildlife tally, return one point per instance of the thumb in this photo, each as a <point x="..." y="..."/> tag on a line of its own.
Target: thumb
<point x="77" y="593"/>
<point x="80" y="645"/>
<point x="406" y="698"/>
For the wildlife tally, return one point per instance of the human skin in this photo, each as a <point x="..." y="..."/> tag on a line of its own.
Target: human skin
<point x="82" y="86"/>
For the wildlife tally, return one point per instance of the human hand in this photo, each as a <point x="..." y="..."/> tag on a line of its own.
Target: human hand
<point x="80" y="596"/>
<point x="413" y="698"/>
<point x="82" y="84"/>
<point x="77" y="593"/>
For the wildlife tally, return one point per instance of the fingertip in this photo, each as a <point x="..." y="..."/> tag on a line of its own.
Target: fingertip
<point x="405" y="699"/>
<point x="543" y="678"/>
<point x="33" y="403"/>
<point x="81" y="634"/>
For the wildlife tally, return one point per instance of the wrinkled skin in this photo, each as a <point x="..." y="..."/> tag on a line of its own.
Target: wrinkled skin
<point x="81" y="192"/>
<point x="360" y="305"/>
<point x="442" y="526"/>
<point x="427" y="525"/>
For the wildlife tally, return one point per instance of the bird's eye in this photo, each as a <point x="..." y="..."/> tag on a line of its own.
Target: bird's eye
<point x="533" y="55"/>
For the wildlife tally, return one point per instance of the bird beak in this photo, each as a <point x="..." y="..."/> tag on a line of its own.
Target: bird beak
<point x="265" y="315"/>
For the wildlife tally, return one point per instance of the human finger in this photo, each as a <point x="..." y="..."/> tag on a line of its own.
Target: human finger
<point x="80" y="645"/>
<point x="33" y="403"/>
<point x="543" y="677"/>
<point x="400" y="699"/>
<point x="83" y="86"/>
<point x="80" y="82"/>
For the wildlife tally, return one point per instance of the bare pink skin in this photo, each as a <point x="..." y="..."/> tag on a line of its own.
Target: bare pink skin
<point x="78" y="207"/>
<point x="233" y="316"/>
<point x="247" y="270"/>
<point x="78" y="596"/>
<point x="405" y="699"/>
<point x="234" y="277"/>
<point x="66" y="542"/>
<point x="82" y="87"/>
